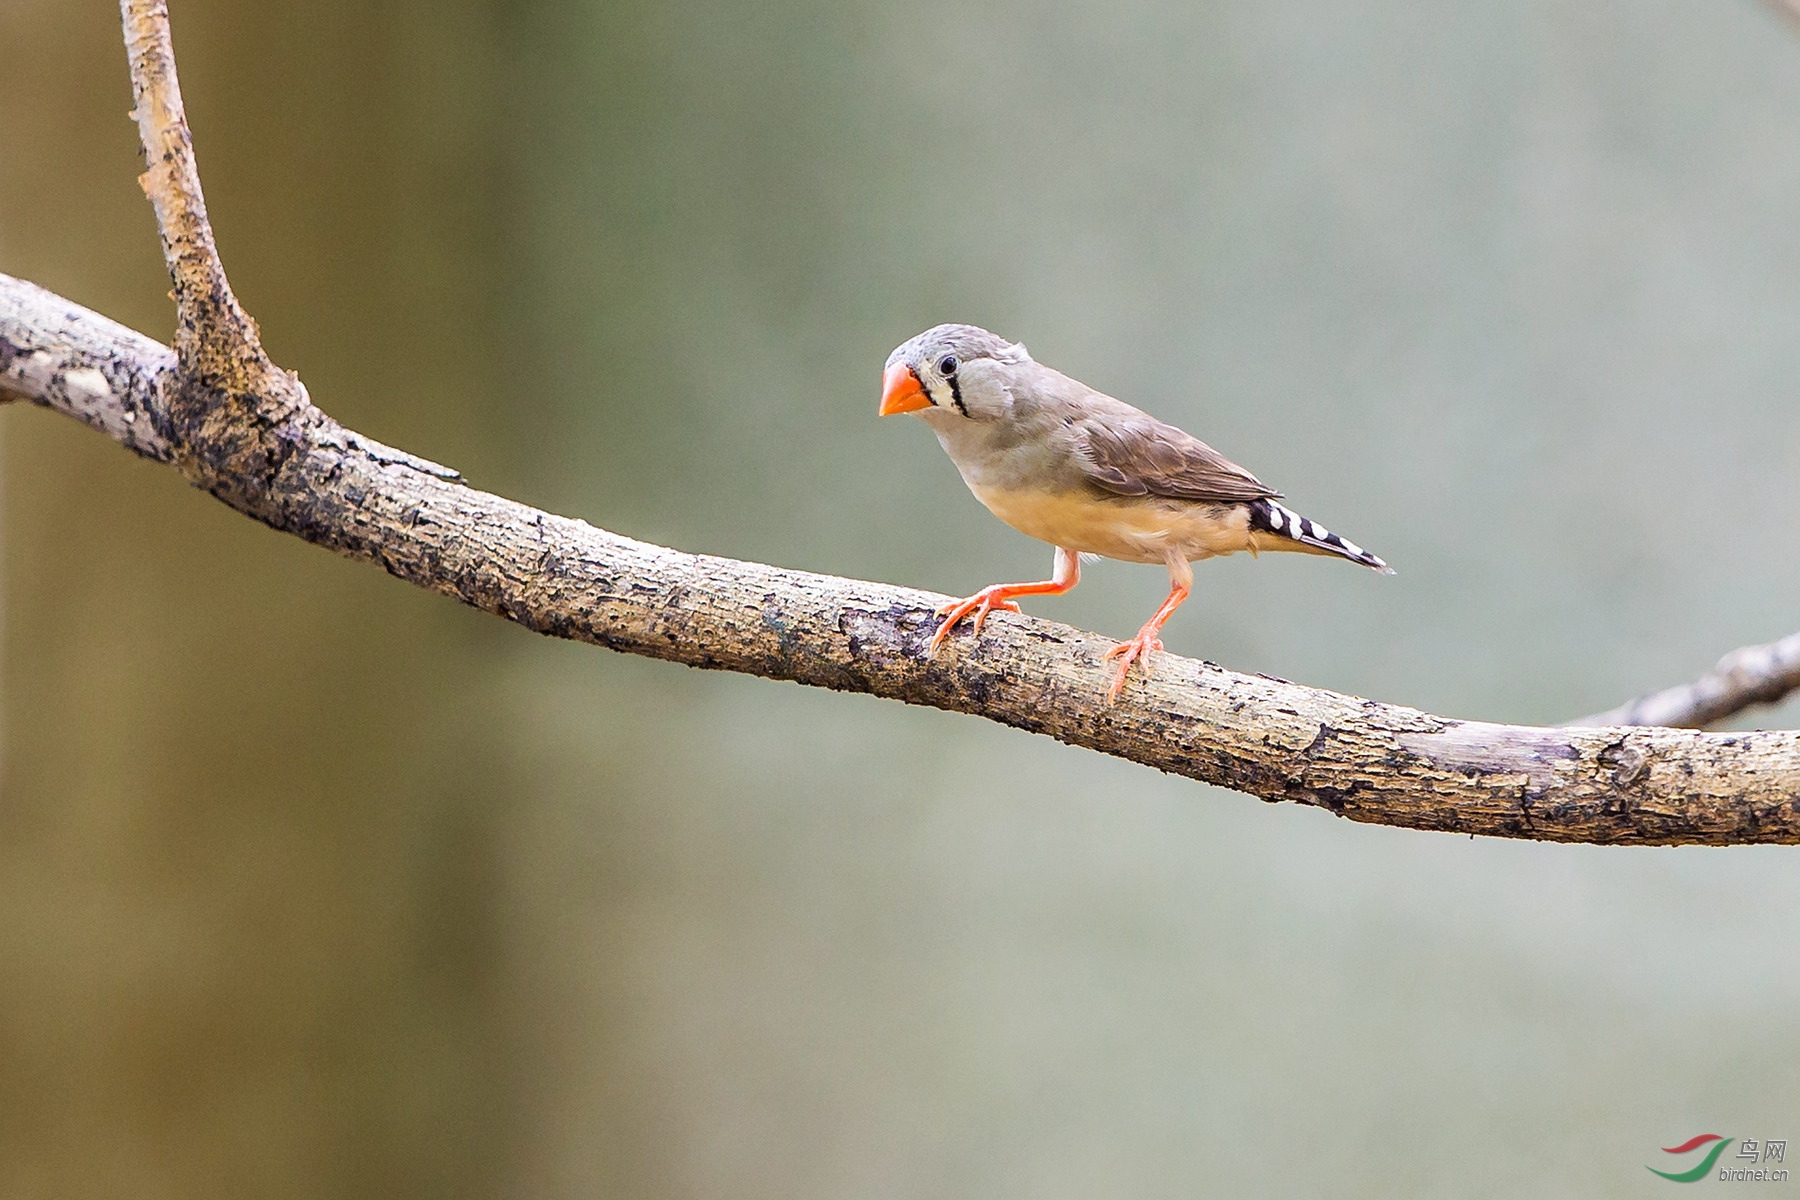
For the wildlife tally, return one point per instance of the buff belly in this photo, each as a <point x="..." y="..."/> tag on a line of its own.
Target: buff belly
<point x="1148" y="531"/>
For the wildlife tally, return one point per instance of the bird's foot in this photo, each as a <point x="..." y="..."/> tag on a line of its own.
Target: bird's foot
<point x="1137" y="650"/>
<point x="981" y="604"/>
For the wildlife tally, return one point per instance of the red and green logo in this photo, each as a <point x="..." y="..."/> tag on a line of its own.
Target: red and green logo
<point x="1704" y="1166"/>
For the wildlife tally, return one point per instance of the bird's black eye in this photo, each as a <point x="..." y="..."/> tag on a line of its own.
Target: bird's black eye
<point x="947" y="365"/>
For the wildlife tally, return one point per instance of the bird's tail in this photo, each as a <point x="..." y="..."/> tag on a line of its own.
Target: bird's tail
<point x="1277" y="524"/>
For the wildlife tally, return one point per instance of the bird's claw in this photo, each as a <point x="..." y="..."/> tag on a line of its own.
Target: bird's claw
<point x="1137" y="650"/>
<point x="981" y="604"/>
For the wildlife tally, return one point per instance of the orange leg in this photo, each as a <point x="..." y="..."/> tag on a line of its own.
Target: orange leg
<point x="1181" y="579"/>
<point x="999" y="595"/>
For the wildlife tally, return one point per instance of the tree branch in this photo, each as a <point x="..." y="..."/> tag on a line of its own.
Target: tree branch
<point x="244" y="430"/>
<point x="1746" y="677"/>
<point x="231" y="417"/>
<point x="1358" y="758"/>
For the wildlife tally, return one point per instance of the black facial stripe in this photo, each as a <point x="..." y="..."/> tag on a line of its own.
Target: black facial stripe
<point x="956" y="396"/>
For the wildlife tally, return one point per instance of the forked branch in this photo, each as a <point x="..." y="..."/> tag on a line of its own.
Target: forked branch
<point x="245" y="431"/>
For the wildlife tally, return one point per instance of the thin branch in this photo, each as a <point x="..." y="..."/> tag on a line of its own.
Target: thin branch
<point x="1742" y="679"/>
<point x="210" y="322"/>
<point x="231" y="416"/>
<point x="250" y="436"/>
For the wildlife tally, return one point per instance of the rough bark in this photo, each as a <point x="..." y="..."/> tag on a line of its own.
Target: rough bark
<point x="1358" y="758"/>
<point x="246" y="431"/>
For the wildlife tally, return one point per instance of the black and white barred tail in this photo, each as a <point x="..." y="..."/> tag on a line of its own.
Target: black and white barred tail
<point x="1266" y="516"/>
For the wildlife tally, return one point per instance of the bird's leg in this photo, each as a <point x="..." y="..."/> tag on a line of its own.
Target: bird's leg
<point x="999" y="595"/>
<point x="1181" y="579"/>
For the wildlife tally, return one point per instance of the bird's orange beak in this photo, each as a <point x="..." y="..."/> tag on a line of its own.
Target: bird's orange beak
<point x="900" y="392"/>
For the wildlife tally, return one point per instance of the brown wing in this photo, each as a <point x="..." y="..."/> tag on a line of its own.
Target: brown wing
<point x="1141" y="456"/>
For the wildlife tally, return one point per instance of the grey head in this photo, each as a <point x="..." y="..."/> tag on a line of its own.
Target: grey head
<point x="951" y="369"/>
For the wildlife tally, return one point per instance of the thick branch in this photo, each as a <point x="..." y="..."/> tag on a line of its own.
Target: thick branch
<point x="1358" y="758"/>
<point x="238" y="426"/>
<point x="1742" y="679"/>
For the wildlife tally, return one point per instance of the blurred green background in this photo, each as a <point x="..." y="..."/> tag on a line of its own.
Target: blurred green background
<point x="312" y="884"/>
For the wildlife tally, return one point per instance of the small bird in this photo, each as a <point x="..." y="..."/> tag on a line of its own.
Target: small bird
<point x="1089" y="474"/>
